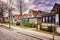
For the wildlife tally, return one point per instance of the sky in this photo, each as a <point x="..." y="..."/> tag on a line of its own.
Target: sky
<point x="43" y="5"/>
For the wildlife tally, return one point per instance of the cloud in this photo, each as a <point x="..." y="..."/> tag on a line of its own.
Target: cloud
<point x="44" y="5"/>
<point x="4" y="0"/>
<point x="26" y="1"/>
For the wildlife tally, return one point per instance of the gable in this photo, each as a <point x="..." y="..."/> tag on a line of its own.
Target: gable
<point x="39" y="14"/>
<point x="56" y="8"/>
<point x="34" y="13"/>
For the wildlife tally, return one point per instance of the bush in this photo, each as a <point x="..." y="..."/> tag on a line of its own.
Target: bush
<point x="50" y="29"/>
<point x="43" y="29"/>
<point x="40" y="27"/>
<point x="35" y="25"/>
<point x="17" y="23"/>
<point x="31" y="25"/>
<point x="28" y="24"/>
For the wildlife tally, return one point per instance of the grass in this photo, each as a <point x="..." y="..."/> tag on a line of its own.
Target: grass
<point x="57" y="34"/>
<point x="4" y="26"/>
<point x="42" y="31"/>
<point x="23" y="27"/>
<point x="17" y="26"/>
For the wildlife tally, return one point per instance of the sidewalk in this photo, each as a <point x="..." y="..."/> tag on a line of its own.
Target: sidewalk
<point x="33" y="33"/>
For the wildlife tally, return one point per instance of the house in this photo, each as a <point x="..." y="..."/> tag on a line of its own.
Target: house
<point x="35" y="16"/>
<point x="16" y="18"/>
<point x="56" y="10"/>
<point x="24" y="18"/>
<point x="53" y="17"/>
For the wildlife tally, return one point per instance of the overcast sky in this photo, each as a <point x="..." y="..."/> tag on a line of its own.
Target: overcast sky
<point x="43" y="5"/>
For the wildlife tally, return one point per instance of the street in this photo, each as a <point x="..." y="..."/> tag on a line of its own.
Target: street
<point x="15" y="33"/>
<point x="6" y="34"/>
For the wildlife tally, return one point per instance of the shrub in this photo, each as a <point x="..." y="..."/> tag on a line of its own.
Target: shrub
<point x="40" y="27"/>
<point x="31" y="25"/>
<point x="18" y="23"/>
<point x="43" y="29"/>
<point x="50" y="29"/>
<point x="35" y="25"/>
<point x="28" y="24"/>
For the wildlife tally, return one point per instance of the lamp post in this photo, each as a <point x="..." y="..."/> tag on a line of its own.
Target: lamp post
<point x="53" y="27"/>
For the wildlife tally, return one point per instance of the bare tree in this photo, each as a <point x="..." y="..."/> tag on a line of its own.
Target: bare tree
<point x="1" y="9"/>
<point x="10" y="11"/>
<point x="19" y="6"/>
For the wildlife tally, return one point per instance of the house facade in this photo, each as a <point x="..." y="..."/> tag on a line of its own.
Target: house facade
<point x="56" y="10"/>
<point x="53" y="17"/>
<point x="36" y="16"/>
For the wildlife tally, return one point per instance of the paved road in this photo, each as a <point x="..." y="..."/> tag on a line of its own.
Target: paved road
<point x="6" y="34"/>
<point x="25" y="34"/>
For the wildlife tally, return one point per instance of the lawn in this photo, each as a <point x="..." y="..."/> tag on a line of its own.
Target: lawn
<point x="57" y="34"/>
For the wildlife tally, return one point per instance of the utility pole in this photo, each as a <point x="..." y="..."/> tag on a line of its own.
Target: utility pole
<point x="53" y="28"/>
<point x="21" y="12"/>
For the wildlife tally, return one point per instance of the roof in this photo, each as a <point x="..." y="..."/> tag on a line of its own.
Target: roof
<point x="25" y="15"/>
<point x="38" y="13"/>
<point x="55" y="7"/>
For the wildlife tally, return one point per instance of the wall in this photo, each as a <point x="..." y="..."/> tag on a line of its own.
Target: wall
<point x="57" y="18"/>
<point x="33" y="20"/>
<point x="39" y="21"/>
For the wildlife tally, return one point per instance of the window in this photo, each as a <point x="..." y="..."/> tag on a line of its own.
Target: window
<point x="0" y="19"/>
<point x="49" y="19"/>
<point x="44" y="19"/>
